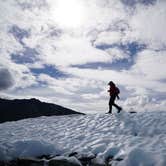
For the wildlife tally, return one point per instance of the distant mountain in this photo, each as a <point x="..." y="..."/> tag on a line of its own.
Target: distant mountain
<point x="17" y="109"/>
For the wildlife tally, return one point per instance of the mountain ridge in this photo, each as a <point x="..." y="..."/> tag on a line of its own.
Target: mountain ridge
<point x="17" y="109"/>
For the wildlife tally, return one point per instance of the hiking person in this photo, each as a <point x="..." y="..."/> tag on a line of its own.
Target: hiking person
<point x="114" y="92"/>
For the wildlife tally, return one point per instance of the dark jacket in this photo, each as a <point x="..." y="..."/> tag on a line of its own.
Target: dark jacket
<point x="113" y="91"/>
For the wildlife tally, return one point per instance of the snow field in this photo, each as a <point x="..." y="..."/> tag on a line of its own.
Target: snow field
<point x="139" y="139"/>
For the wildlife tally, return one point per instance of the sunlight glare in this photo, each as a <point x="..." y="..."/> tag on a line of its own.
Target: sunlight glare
<point x="69" y="13"/>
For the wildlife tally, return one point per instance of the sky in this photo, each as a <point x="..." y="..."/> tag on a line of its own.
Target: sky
<point x="66" y="52"/>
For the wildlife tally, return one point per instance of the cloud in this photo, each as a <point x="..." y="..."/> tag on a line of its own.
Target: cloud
<point x="72" y="86"/>
<point x="69" y="50"/>
<point x="69" y="92"/>
<point x="148" y="25"/>
<point x="76" y="46"/>
<point x="18" y="33"/>
<point x="125" y="78"/>
<point x="20" y="73"/>
<point x="151" y="64"/>
<point x="117" y="54"/>
<point x="108" y="38"/>
<point x="6" y="80"/>
<point x="144" y="103"/>
<point x="112" y="33"/>
<point x="27" y="4"/>
<point x="133" y="3"/>
<point x="8" y="45"/>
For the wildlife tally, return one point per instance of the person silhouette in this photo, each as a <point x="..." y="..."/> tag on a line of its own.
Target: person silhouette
<point x="114" y="93"/>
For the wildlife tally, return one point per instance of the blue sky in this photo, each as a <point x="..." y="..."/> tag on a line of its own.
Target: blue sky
<point x="62" y="52"/>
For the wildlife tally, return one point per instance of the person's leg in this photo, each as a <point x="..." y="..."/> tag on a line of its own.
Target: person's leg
<point x="110" y="109"/>
<point x="118" y="107"/>
<point x="111" y="102"/>
<point x="110" y="105"/>
<point x="115" y="105"/>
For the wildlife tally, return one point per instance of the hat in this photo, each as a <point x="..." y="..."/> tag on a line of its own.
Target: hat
<point x="111" y="83"/>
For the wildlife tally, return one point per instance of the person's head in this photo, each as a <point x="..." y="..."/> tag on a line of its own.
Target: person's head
<point x="111" y="83"/>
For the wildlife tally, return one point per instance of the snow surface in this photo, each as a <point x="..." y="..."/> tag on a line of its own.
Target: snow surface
<point x="139" y="139"/>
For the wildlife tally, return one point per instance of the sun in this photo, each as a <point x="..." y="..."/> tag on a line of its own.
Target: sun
<point x="69" y="13"/>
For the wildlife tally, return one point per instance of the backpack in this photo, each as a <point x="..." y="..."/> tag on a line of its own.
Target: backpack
<point x="117" y="91"/>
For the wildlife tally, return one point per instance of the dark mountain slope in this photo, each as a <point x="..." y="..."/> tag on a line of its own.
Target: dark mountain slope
<point x="12" y="110"/>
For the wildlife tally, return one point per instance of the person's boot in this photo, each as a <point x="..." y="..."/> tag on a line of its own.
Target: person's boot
<point x="119" y="109"/>
<point x="110" y="109"/>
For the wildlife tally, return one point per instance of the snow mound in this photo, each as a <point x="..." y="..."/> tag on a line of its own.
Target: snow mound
<point x="129" y="139"/>
<point x="27" y="148"/>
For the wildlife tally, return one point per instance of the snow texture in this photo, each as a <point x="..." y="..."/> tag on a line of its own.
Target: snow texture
<point x="138" y="139"/>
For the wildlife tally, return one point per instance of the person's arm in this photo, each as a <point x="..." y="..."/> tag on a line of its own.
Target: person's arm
<point x="110" y="91"/>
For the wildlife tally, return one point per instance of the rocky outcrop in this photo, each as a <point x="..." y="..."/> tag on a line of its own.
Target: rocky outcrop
<point x="74" y="159"/>
<point x="12" y="110"/>
<point x="30" y="162"/>
<point x="64" y="161"/>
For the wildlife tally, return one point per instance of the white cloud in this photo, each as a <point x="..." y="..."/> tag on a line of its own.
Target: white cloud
<point x="21" y="75"/>
<point x="70" y="50"/>
<point x="142" y="103"/>
<point x="139" y="101"/>
<point x="90" y="96"/>
<point x="8" y="45"/>
<point x="74" y="46"/>
<point x="109" y="38"/>
<point x="105" y="22"/>
<point x="151" y="64"/>
<point x="75" y="93"/>
<point x="72" y="86"/>
<point x="57" y="85"/>
<point x="124" y="78"/>
<point x="117" y="54"/>
<point x="148" y="25"/>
